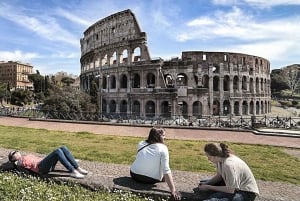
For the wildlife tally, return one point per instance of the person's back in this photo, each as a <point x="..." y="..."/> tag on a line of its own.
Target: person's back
<point x="152" y="161"/>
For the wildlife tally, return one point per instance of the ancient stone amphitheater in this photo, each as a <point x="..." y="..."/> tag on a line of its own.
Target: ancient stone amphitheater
<point x="115" y="56"/>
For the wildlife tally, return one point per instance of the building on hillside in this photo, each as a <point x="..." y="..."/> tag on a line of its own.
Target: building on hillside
<point x="16" y="74"/>
<point x="114" y="54"/>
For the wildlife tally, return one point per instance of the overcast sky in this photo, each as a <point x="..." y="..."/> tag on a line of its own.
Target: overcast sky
<point x="46" y="33"/>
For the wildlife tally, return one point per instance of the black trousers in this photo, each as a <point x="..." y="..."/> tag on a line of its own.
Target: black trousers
<point x="143" y="178"/>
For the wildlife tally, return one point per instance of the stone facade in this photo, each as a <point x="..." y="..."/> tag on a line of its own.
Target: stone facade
<point x="114" y="54"/>
<point x="16" y="74"/>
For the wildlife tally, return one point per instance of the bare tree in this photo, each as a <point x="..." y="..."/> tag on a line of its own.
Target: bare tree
<point x="292" y="76"/>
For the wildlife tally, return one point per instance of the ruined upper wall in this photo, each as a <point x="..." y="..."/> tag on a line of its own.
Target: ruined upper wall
<point x="116" y="28"/>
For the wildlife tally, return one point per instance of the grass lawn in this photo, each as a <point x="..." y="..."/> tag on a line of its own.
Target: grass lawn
<point x="267" y="162"/>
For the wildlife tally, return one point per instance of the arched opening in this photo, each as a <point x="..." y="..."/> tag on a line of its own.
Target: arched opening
<point x="262" y="107"/>
<point x="104" y="60"/>
<point x="104" y="106"/>
<point x="205" y="81"/>
<point x="112" y="79"/>
<point x="165" y="109"/>
<point x="136" y="81"/>
<point x="136" y="56"/>
<point x="181" y="79"/>
<point x="244" y="83"/>
<point x="113" y="58"/>
<point x="245" y="108"/>
<point x="251" y="85"/>
<point x="197" y="109"/>
<point x="104" y="83"/>
<point x="136" y="108"/>
<point x="124" y="56"/>
<point x="257" y="107"/>
<point x="112" y="106"/>
<point x="257" y="85"/>
<point x="184" y="111"/>
<point x="236" y="108"/>
<point x="216" y="83"/>
<point x="150" y="80"/>
<point x="235" y="83"/>
<point x="150" y="109"/>
<point x="216" y="107"/>
<point x="251" y="107"/>
<point x="123" y="108"/>
<point x="123" y="84"/>
<point x="226" y="83"/>
<point x="226" y="107"/>
<point x="169" y="81"/>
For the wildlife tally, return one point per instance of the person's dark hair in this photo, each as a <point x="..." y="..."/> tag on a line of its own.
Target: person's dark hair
<point x="155" y="135"/>
<point x="11" y="155"/>
<point x="216" y="149"/>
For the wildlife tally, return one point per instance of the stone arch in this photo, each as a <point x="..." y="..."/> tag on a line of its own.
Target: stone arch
<point x="216" y="107"/>
<point x="104" y="82"/>
<point x="251" y="85"/>
<point x="150" y="80"/>
<point x="262" y="107"/>
<point x="104" y="60"/>
<point x="244" y="83"/>
<point x="226" y="107"/>
<point x="124" y="56"/>
<point x="245" y="108"/>
<point x="251" y="107"/>
<point x="113" y="82"/>
<point x="136" y="108"/>
<point x="181" y="79"/>
<point x="123" y="81"/>
<point x="261" y="84"/>
<point x="136" y="81"/>
<point x="236" y="108"/>
<point x="136" y="56"/>
<point x="184" y="111"/>
<point x="257" y="85"/>
<point x="104" y="106"/>
<point x="150" y="109"/>
<point x="123" y="108"/>
<point x="197" y="109"/>
<point x="169" y="80"/>
<point x="205" y="81"/>
<point x="257" y="107"/>
<point x="226" y="83"/>
<point x="112" y="106"/>
<point x="216" y="82"/>
<point x="235" y="83"/>
<point x="113" y="58"/>
<point x="165" y="109"/>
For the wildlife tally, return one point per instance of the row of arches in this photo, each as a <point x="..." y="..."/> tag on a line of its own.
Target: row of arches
<point x="149" y="108"/>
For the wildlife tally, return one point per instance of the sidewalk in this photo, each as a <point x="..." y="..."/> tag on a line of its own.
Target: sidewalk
<point x="114" y="176"/>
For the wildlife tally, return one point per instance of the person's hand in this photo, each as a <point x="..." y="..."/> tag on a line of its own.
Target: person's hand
<point x="176" y="195"/>
<point x="204" y="187"/>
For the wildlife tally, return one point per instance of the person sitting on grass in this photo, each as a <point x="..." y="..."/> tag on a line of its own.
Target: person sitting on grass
<point x="240" y="184"/>
<point x="47" y="164"/>
<point x="152" y="162"/>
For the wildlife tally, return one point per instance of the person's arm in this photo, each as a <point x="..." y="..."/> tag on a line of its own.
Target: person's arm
<point x="169" y="179"/>
<point x="224" y="189"/>
<point x="214" y="180"/>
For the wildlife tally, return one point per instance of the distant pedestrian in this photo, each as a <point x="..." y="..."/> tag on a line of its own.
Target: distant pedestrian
<point x="240" y="184"/>
<point x="48" y="163"/>
<point x="152" y="162"/>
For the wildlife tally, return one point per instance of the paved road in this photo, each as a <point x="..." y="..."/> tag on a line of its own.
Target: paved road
<point x="186" y="134"/>
<point x="117" y="176"/>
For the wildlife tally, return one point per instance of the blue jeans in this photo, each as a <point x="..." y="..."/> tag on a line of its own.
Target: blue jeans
<point x="63" y="155"/>
<point x="237" y="196"/>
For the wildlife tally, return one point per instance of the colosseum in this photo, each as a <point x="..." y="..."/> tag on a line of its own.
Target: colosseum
<point x="114" y="54"/>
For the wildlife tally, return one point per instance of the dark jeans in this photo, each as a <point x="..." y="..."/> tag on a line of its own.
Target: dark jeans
<point x="143" y="179"/>
<point x="63" y="155"/>
<point x="237" y="196"/>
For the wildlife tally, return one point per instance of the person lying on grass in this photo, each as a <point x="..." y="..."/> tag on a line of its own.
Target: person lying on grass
<point x="47" y="164"/>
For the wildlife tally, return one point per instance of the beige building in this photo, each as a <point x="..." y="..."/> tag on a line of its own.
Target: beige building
<point x="115" y="55"/>
<point x="16" y="74"/>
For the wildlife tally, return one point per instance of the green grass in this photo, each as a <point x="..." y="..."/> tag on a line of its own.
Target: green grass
<point x="14" y="188"/>
<point x="267" y="162"/>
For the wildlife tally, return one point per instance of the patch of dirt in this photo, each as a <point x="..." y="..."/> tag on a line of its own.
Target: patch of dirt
<point x="293" y="152"/>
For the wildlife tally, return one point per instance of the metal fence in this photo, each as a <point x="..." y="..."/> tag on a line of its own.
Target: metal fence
<point x="246" y="122"/>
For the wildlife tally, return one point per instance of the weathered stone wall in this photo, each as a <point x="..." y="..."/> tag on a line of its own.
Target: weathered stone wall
<point x="116" y="57"/>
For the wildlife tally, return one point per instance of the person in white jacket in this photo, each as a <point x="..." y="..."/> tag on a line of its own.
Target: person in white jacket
<point x="152" y="162"/>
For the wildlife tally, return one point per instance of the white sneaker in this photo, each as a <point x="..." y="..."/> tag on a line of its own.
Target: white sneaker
<point x="82" y="171"/>
<point x="77" y="175"/>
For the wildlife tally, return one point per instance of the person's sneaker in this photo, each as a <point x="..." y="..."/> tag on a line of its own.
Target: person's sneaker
<point x="82" y="171"/>
<point x="77" y="175"/>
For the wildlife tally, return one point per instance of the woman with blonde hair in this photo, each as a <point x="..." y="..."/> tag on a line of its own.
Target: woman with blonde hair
<point x="240" y="184"/>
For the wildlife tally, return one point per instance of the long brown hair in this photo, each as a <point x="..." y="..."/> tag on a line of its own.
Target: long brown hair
<point x="156" y="135"/>
<point x="217" y="149"/>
